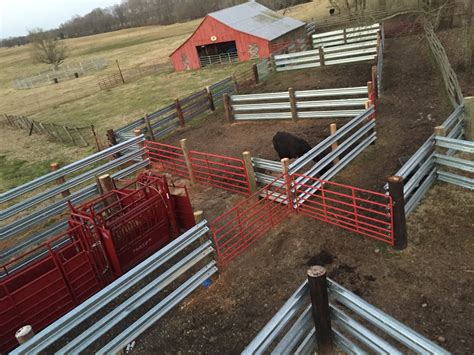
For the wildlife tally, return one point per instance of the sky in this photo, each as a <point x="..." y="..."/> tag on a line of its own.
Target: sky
<point x="19" y="16"/>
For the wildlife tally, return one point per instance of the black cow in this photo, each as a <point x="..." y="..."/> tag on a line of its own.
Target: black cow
<point x="292" y="147"/>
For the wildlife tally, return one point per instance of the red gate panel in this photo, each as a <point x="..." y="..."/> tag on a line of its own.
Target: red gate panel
<point x="133" y="224"/>
<point x="44" y="284"/>
<point x="168" y="158"/>
<point x="239" y="228"/>
<point x="221" y="172"/>
<point x="365" y="212"/>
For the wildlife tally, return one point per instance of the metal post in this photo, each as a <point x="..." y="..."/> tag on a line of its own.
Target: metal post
<point x="228" y="108"/>
<point x="148" y="126"/>
<point x="255" y="74"/>
<point x="187" y="159"/>
<point x="247" y="158"/>
<point x="179" y="111"/>
<point x="395" y="186"/>
<point x="320" y="308"/>
<point x="24" y="334"/>
<point x="321" y="56"/>
<point x="332" y="130"/>
<point x="212" y="106"/>
<point x="294" y="109"/>
<point x="54" y="167"/>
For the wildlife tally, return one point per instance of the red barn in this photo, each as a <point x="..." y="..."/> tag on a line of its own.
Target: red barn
<point x="235" y="34"/>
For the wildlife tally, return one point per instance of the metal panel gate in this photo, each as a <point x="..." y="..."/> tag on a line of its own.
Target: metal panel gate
<point x="45" y="283"/>
<point x="365" y="212"/>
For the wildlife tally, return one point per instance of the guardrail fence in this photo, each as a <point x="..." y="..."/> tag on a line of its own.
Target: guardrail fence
<point x="335" y="47"/>
<point x="185" y="255"/>
<point x="346" y="36"/>
<point x="325" y="103"/>
<point x="322" y="314"/>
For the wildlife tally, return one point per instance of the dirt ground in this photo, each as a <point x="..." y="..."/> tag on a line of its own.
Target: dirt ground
<point x="429" y="286"/>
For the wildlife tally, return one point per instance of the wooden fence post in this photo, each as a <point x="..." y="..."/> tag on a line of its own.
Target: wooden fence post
<point x="322" y="61"/>
<point x="332" y="130"/>
<point x="370" y="90"/>
<point x="255" y="74"/>
<point x="228" y="108"/>
<point x="318" y="291"/>
<point x="395" y="188"/>
<point x="31" y="129"/>
<point x="54" y="167"/>
<point x="247" y="158"/>
<point x="148" y="126"/>
<point x="285" y="167"/>
<point x="138" y="132"/>
<point x="344" y="33"/>
<point x="374" y="83"/>
<point x="111" y="137"/>
<point x="97" y="143"/>
<point x="212" y="106"/>
<point x="440" y="131"/>
<point x="179" y="111"/>
<point x="24" y="334"/>
<point x="187" y="159"/>
<point x="236" y="84"/>
<point x="273" y="63"/>
<point x="106" y="184"/>
<point x="294" y="108"/>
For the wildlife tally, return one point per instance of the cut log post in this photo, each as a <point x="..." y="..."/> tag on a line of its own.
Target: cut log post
<point x="228" y="108"/>
<point x="249" y="170"/>
<point x="255" y="74"/>
<point x="212" y="106"/>
<point x="151" y="135"/>
<point x="55" y="167"/>
<point x="24" y="334"/>
<point x="179" y="111"/>
<point x="395" y="187"/>
<point x="294" y="108"/>
<point x="318" y="291"/>
<point x="187" y="159"/>
<point x="322" y="61"/>
<point x="332" y="130"/>
<point x="107" y="186"/>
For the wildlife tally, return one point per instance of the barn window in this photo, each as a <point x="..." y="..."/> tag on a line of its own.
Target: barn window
<point x="218" y="53"/>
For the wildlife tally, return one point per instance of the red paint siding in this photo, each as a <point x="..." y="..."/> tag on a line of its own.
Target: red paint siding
<point x="202" y="36"/>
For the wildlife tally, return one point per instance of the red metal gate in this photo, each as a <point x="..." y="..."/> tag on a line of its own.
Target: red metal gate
<point x="237" y="229"/>
<point x="167" y="158"/>
<point x="45" y="283"/>
<point x="365" y="212"/>
<point x="221" y="172"/>
<point x="132" y="223"/>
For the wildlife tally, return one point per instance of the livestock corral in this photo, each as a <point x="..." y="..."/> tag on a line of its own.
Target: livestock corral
<point x="264" y="241"/>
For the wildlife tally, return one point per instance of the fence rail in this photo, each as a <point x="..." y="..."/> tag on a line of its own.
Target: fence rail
<point x="343" y="102"/>
<point x="223" y="58"/>
<point x="78" y="136"/>
<point x="346" y="36"/>
<point x="292" y="328"/>
<point x="174" y="260"/>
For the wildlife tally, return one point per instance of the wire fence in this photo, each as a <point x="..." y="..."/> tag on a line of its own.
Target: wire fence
<point x="67" y="72"/>
<point x="77" y="136"/>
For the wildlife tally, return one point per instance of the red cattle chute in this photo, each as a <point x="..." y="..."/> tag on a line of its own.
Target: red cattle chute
<point x="47" y="282"/>
<point x="133" y="222"/>
<point x="167" y="158"/>
<point x="237" y="229"/>
<point x="220" y="172"/>
<point x="365" y="212"/>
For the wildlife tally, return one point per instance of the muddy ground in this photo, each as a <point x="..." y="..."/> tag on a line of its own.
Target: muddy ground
<point x="429" y="286"/>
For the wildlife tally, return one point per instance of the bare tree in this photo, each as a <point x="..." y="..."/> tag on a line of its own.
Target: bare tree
<point x="47" y="48"/>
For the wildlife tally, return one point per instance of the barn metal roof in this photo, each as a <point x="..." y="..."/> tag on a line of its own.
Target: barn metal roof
<point x="256" y="20"/>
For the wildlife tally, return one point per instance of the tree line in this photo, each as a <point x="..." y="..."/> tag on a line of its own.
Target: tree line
<point x="136" y="13"/>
